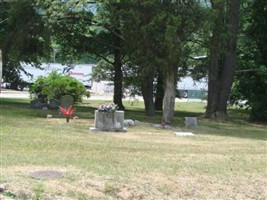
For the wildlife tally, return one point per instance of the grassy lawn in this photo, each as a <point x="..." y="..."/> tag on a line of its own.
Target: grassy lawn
<point x="226" y="160"/>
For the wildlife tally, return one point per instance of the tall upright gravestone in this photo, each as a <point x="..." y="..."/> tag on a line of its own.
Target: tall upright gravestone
<point x="67" y="101"/>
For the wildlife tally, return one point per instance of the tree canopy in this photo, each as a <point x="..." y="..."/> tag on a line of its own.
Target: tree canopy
<point x="146" y="42"/>
<point x="24" y="38"/>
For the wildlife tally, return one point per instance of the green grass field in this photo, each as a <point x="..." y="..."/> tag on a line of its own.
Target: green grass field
<point x="225" y="160"/>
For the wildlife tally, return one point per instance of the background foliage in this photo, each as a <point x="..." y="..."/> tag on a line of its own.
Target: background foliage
<point x="251" y="78"/>
<point x="146" y="36"/>
<point x="56" y="85"/>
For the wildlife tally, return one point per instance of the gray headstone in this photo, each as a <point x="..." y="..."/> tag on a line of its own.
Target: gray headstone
<point x="161" y="126"/>
<point x="190" y="121"/>
<point x="53" y="103"/>
<point x="67" y="101"/>
<point x="37" y="103"/>
<point x="109" y="121"/>
<point x="128" y="122"/>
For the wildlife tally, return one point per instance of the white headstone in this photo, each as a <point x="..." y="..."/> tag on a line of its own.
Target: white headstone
<point x="184" y="134"/>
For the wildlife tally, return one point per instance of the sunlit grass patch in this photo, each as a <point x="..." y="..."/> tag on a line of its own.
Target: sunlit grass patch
<point x="226" y="159"/>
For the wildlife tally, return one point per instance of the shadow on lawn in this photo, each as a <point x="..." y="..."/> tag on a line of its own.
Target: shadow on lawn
<point x="236" y="127"/>
<point x="16" y="108"/>
<point x="232" y="128"/>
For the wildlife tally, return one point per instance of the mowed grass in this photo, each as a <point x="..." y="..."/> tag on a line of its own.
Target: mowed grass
<point x="225" y="160"/>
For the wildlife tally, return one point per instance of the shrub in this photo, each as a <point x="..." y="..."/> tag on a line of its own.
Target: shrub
<point x="56" y="85"/>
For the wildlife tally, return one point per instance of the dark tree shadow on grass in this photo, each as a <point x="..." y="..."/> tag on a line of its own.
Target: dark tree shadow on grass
<point x="237" y="126"/>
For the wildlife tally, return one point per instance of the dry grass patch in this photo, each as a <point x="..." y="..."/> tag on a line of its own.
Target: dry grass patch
<point x="85" y="185"/>
<point x="225" y="160"/>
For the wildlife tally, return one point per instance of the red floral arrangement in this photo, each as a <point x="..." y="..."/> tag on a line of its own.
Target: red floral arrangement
<point x="67" y="112"/>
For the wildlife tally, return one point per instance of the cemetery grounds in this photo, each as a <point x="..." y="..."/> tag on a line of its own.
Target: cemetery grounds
<point x="224" y="160"/>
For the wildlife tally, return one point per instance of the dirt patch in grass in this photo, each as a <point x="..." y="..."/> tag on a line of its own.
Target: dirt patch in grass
<point x="73" y="185"/>
<point x="78" y="184"/>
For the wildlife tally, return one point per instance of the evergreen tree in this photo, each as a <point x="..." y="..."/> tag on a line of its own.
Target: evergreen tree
<point x="24" y="38"/>
<point x="157" y="33"/>
<point x="222" y="56"/>
<point x="251" y="78"/>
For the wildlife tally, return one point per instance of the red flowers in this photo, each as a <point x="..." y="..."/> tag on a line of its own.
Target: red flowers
<point x="67" y="112"/>
<point x="163" y="124"/>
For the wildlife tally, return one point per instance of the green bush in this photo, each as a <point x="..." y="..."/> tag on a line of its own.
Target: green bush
<point x="56" y="85"/>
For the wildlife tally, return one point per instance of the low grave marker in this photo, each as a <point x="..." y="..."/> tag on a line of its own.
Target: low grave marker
<point x="47" y="174"/>
<point x="190" y="122"/>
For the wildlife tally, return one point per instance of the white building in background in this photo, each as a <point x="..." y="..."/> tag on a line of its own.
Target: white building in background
<point x="82" y="72"/>
<point x="102" y="87"/>
<point x="187" y="83"/>
<point x="188" y="88"/>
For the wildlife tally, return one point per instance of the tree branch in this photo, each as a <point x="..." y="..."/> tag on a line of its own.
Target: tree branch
<point x="104" y="58"/>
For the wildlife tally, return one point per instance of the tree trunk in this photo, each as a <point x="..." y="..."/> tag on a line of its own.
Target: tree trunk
<point x="147" y="92"/>
<point x="169" y="95"/>
<point x="215" y="63"/>
<point x="159" y="92"/>
<point x="1" y="69"/>
<point x="222" y="59"/>
<point x="230" y="56"/>
<point x="117" y="98"/>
